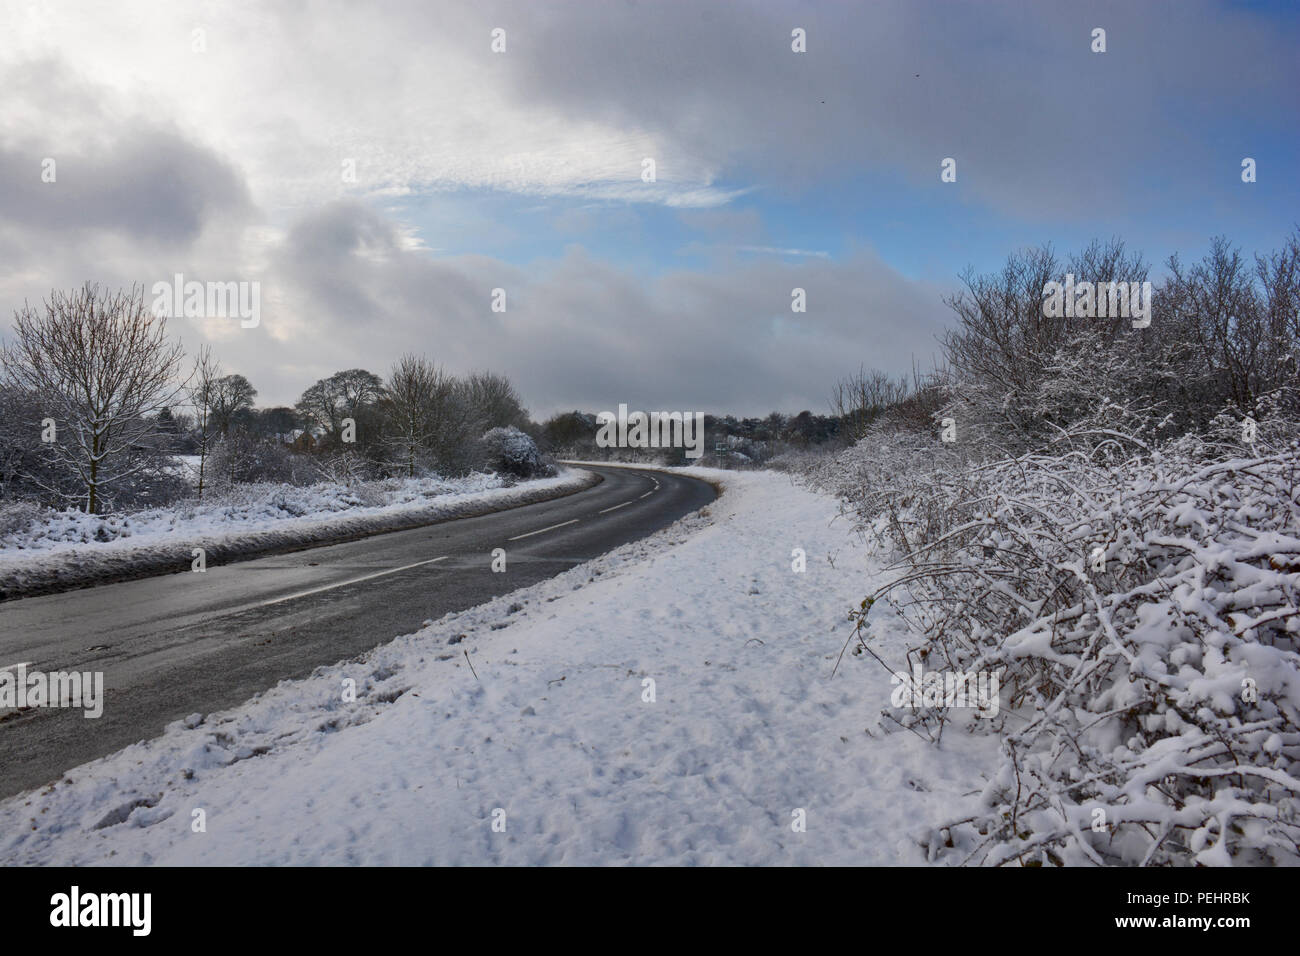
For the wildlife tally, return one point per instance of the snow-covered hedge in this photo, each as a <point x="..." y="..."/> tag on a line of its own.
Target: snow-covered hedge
<point x="1141" y="606"/>
<point x="243" y="506"/>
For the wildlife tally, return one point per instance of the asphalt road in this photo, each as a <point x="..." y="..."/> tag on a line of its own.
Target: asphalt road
<point x="178" y="644"/>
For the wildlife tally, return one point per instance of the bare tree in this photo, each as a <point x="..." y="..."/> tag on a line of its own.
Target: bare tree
<point x="231" y="394"/>
<point x="202" y="387"/>
<point x="1279" y="276"/>
<point x="493" y="402"/>
<point x="456" y="427"/>
<point x="104" y="363"/>
<point x="26" y="467"/>
<point x="412" y="407"/>
<point x="1215" y="299"/>
<point x="1003" y="338"/>
<point x="330" y="400"/>
<point x="860" y="398"/>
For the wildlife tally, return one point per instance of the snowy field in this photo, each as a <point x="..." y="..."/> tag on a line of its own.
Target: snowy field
<point x="72" y="547"/>
<point x="550" y="750"/>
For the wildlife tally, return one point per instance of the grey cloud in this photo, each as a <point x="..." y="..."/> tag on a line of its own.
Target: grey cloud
<point x="142" y="182"/>
<point x="1039" y="124"/>
<point x="579" y="332"/>
<point x="151" y="186"/>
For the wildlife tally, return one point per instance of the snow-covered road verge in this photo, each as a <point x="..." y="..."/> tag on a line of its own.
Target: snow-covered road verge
<point x="670" y="702"/>
<point x="68" y="549"/>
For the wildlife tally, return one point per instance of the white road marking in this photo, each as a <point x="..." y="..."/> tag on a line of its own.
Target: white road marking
<point x="648" y="493"/>
<point x="342" y="584"/>
<point x="616" y="507"/>
<point x="540" y="530"/>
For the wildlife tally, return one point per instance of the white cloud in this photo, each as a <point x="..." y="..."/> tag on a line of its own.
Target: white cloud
<point x="291" y="92"/>
<point x="774" y="251"/>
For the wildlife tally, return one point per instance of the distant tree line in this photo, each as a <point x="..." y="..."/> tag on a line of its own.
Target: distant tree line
<point x="96" y="403"/>
<point x="728" y="441"/>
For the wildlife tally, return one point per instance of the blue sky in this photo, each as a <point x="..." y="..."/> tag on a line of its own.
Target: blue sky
<point x="924" y="231"/>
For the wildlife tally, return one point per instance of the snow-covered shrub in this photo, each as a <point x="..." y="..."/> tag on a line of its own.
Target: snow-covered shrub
<point x="1126" y="383"/>
<point x="1141" y="605"/>
<point x="799" y="461"/>
<point x="342" y="468"/>
<point x="242" y="458"/>
<point x="509" y="451"/>
<point x="888" y="474"/>
<point x="16" y="517"/>
<point x="372" y="494"/>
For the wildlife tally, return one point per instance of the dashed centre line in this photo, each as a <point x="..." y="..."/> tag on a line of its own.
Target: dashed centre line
<point x="616" y="507"/>
<point x="541" y="530"/>
<point x="341" y="584"/>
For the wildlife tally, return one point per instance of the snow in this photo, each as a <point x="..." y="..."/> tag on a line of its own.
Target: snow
<point x="187" y="466"/>
<point x="71" y="548"/>
<point x="747" y="727"/>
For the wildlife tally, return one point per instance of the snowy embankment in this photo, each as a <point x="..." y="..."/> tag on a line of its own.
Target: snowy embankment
<point x="70" y="549"/>
<point x="535" y="712"/>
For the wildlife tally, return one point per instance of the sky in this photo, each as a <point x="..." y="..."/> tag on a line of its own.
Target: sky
<point x="216" y="140"/>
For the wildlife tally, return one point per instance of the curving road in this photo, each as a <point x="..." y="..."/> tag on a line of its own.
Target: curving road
<point x="183" y="643"/>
